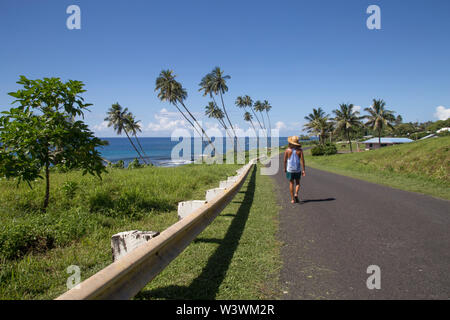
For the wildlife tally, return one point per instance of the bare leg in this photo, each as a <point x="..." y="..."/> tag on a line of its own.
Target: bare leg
<point x="297" y="187"/>
<point x="291" y="189"/>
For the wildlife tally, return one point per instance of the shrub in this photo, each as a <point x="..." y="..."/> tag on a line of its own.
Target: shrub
<point x="135" y="164"/>
<point x="69" y="189"/>
<point x="326" y="149"/>
<point x="39" y="233"/>
<point x="329" y="149"/>
<point x="317" y="151"/>
<point x="119" y="165"/>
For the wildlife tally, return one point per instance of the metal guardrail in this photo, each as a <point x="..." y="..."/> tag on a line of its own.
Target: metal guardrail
<point x="124" y="278"/>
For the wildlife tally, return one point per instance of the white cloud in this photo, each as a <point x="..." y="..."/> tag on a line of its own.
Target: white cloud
<point x="101" y="127"/>
<point x="166" y="121"/>
<point x="442" y="113"/>
<point x="280" y="125"/>
<point x="357" y="108"/>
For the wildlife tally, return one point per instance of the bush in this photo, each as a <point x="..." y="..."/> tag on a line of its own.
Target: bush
<point x="324" y="150"/>
<point x="39" y="233"/>
<point x="317" y="151"/>
<point x="135" y="164"/>
<point x="69" y="189"/>
<point x="119" y="165"/>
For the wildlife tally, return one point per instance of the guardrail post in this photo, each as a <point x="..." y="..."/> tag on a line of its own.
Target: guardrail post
<point x="187" y="207"/>
<point x="225" y="184"/>
<point x="123" y="243"/>
<point x="212" y="193"/>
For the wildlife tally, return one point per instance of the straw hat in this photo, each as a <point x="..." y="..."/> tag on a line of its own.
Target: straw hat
<point x="294" y="140"/>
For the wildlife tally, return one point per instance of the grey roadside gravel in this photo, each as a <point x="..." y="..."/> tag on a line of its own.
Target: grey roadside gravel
<point x="345" y="225"/>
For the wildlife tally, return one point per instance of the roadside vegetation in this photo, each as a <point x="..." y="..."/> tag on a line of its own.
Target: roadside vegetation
<point x="36" y="247"/>
<point x="236" y="257"/>
<point x="348" y="126"/>
<point x="421" y="166"/>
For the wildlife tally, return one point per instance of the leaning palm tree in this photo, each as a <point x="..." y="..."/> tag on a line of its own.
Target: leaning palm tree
<point x="246" y="101"/>
<point x="215" y="82"/>
<point x="212" y="111"/>
<point x="259" y="107"/>
<point x="379" y="118"/>
<point x="346" y="120"/>
<point x="134" y="127"/>
<point x="248" y="117"/>
<point x="317" y="123"/>
<point x="117" y="118"/>
<point x="267" y="108"/>
<point x="173" y="92"/>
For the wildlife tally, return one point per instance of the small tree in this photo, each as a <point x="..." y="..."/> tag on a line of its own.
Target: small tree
<point x="42" y="132"/>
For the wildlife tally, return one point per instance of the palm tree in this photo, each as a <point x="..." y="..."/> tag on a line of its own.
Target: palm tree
<point x="173" y="92"/>
<point x="215" y="82"/>
<point x="134" y="127"/>
<point x="259" y="107"/>
<point x="346" y="120"/>
<point x="117" y="117"/>
<point x="379" y="118"/>
<point x="267" y="108"/>
<point x="248" y="117"/>
<point x="318" y="123"/>
<point x="212" y="111"/>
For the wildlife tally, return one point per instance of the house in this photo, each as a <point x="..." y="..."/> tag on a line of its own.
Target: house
<point x="373" y="143"/>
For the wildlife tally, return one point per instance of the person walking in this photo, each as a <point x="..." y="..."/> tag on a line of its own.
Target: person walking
<point x="293" y="157"/>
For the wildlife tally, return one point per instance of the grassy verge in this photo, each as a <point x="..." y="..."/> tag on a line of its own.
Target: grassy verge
<point x="236" y="257"/>
<point x="36" y="248"/>
<point x="422" y="166"/>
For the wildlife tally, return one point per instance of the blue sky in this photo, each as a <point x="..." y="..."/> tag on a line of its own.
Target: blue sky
<point x="296" y="54"/>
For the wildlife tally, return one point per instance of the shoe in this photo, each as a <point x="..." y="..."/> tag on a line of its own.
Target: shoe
<point x="296" y="199"/>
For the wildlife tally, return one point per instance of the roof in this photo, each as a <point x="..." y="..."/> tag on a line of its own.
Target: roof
<point x="389" y="140"/>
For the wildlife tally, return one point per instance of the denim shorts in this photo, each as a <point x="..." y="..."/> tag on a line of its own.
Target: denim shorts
<point x="293" y="175"/>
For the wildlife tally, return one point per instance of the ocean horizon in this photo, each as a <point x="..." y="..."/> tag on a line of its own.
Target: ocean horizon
<point x="158" y="150"/>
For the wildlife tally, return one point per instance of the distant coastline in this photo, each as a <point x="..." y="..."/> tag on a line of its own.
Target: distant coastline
<point x="157" y="149"/>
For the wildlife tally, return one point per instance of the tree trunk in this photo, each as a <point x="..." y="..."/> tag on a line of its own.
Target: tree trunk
<point x="229" y="121"/>
<point x="140" y="147"/>
<point x="134" y="146"/>
<point x="262" y="117"/>
<point x="349" y="141"/>
<point x="47" y="186"/>
<point x="270" y="127"/>
<point x="203" y="131"/>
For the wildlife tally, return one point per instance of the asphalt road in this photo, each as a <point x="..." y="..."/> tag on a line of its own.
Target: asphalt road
<point x="346" y="225"/>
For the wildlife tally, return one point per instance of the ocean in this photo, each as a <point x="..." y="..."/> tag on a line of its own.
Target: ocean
<point x="158" y="150"/>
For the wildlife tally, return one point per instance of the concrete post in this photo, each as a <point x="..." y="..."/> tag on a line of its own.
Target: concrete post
<point x="212" y="193"/>
<point x="185" y="208"/>
<point x="123" y="243"/>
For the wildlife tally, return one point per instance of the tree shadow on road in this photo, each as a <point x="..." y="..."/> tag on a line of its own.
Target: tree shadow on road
<point x="207" y="284"/>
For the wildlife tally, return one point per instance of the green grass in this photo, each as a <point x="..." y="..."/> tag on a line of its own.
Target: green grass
<point x="36" y="248"/>
<point x="236" y="257"/>
<point x="422" y="166"/>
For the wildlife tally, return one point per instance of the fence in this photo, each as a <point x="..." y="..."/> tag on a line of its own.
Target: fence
<point x="124" y="278"/>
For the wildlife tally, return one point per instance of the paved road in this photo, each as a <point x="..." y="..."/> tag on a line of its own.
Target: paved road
<point x="346" y="225"/>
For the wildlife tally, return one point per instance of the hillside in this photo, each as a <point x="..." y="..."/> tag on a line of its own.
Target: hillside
<point x="421" y="166"/>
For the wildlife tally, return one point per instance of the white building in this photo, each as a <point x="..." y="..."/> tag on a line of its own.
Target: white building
<point x="373" y="143"/>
